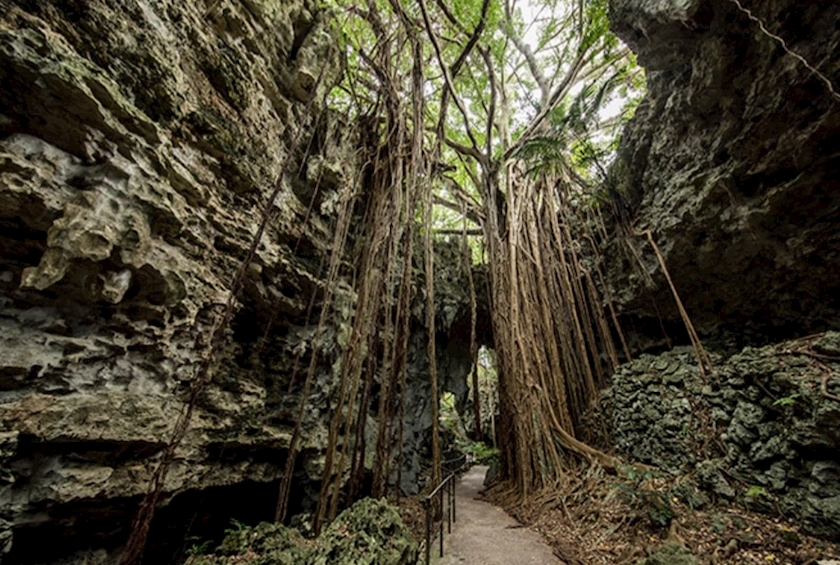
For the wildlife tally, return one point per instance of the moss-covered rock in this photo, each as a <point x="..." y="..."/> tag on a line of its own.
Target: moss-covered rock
<point x="266" y="544"/>
<point x="762" y="418"/>
<point x="263" y="544"/>
<point x="670" y="554"/>
<point x="371" y="532"/>
<point x="139" y="141"/>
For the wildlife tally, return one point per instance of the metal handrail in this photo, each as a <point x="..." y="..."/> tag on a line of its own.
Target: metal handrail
<point x="447" y="488"/>
<point x="448" y="467"/>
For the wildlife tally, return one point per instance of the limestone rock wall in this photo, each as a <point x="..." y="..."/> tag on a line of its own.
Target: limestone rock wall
<point x="138" y="143"/>
<point x="452" y="342"/>
<point x="761" y="431"/>
<point x="732" y="161"/>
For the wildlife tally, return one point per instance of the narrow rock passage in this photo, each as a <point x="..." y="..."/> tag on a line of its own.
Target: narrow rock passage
<point x="485" y="535"/>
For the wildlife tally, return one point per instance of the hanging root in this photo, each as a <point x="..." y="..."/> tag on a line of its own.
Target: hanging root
<point x="395" y="181"/>
<point x="549" y="330"/>
<point x="703" y="359"/>
<point x="467" y="266"/>
<point x="829" y="85"/>
<point x="339" y="241"/>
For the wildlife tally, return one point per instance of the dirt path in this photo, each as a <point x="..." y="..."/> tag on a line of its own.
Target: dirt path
<point x="485" y="535"/>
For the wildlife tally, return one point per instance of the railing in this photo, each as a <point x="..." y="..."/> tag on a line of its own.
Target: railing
<point x="445" y="492"/>
<point x="446" y="489"/>
<point x="454" y="465"/>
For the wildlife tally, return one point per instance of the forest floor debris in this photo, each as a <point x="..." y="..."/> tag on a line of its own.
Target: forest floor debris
<point x="600" y="519"/>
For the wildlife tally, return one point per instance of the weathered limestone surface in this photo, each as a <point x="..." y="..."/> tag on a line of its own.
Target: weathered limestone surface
<point x="732" y="161"/>
<point x="139" y="141"/>
<point x="452" y="342"/>
<point x="762" y="421"/>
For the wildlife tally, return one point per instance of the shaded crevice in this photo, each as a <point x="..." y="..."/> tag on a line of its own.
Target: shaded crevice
<point x="104" y="452"/>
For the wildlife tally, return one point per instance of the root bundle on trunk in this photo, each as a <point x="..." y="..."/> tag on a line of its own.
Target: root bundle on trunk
<point x="553" y="340"/>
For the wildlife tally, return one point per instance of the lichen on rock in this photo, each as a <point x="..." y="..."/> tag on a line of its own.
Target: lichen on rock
<point x="729" y="161"/>
<point x="138" y="142"/>
<point x="371" y="532"/>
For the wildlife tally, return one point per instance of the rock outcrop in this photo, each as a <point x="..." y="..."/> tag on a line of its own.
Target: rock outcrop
<point x="764" y="430"/>
<point x="732" y="162"/>
<point x="452" y="324"/>
<point x="138" y="144"/>
<point x="370" y="532"/>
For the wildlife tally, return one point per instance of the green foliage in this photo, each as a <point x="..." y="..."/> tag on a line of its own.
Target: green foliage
<point x="262" y="544"/>
<point x="756" y="491"/>
<point x="198" y="547"/>
<point x="786" y="401"/>
<point x="235" y="526"/>
<point x="636" y="492"/>
<point x="451" y="420"/>
<point x="556" y="59"/>
<point x="371" y="532"/>
<point x="206" y="560"/>
<point x="449" y="414"/>
<point x="479" y="451"/>
<point x="636" y="475"/>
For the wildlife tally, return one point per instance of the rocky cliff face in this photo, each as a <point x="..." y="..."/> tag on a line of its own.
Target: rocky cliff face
<point x="138" y="143"/>
<point x="764" y="430"/>
<point x="452" y="323"/>
<point x="732" y="161"/>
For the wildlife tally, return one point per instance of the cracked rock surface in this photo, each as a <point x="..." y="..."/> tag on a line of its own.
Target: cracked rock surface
<point x="732" y="161"/>
<point x="138" y="143"/>
<point x="762" y="421"/>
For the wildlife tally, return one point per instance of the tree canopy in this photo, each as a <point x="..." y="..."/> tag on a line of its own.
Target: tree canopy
<point x="547" y="85"/>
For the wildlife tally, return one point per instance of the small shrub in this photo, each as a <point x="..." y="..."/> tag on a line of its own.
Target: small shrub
<point x="198" y="547"/>
<point x="636" y="493"/>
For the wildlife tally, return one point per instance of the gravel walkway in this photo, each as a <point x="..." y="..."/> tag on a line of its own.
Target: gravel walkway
<point x="485" y="535"/>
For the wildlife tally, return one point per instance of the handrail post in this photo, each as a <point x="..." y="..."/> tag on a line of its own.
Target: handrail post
<point x="440" y="495"/>
<point x="449" y="505"/>
<point x="428" y="530"/>
<point x="454" y="516"/>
